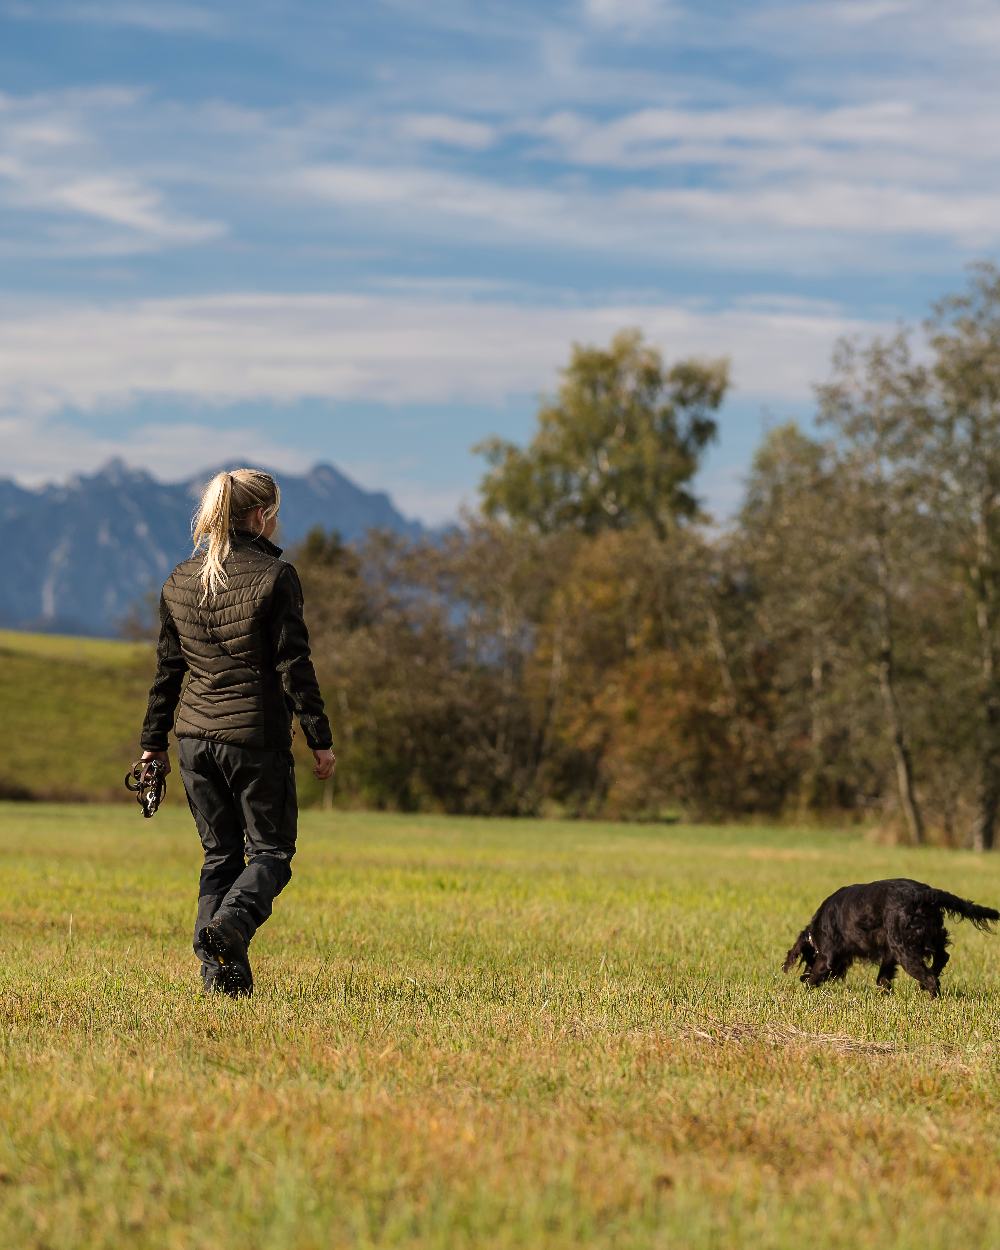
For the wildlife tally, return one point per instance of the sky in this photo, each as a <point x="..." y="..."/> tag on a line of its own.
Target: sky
<point x="368" y="233"/>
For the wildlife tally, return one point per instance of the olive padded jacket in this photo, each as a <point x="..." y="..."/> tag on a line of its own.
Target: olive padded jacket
<point x="236" y="667"/>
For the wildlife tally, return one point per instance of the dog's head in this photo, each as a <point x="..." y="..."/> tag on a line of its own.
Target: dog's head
<point x="802" y="952"/>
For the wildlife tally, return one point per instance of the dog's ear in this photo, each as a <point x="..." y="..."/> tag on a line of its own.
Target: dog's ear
<point x="799" y="952"/>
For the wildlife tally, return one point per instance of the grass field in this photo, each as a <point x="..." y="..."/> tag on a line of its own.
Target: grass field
<point x="70" y="710"/>
<point x="70" y="714"/>
<point x="482" y="1033"/>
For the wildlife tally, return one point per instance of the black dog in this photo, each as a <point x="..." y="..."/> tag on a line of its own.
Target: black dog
<point x="890" y="923"/>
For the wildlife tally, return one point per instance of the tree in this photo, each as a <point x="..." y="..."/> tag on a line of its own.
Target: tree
<point x="655" y="709"/>
<point x="618" y="446"/>
<point x="420" y="648"/>
<point x="800" y="589"/>
<point x="876" y="405"/>
<point x="962" y="459"/>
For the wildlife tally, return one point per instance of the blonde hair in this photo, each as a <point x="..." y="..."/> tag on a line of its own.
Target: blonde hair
<point x="227" y="499"/>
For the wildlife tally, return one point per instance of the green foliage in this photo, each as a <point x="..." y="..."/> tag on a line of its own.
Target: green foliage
<point x="618" y="447"/>
<point x="474" y="1033"/>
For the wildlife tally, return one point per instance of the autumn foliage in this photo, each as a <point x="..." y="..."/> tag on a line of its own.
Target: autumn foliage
<point x="591" y="643"/>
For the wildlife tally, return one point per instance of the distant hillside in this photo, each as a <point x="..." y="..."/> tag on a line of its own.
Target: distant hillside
<point x="79" y="555"/>
<point x="70" y="714"/>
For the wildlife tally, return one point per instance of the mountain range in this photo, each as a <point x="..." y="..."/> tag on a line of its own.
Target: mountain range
<point x="80" y="555"/>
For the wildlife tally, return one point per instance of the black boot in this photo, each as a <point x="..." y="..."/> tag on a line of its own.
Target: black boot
<point x="228" y="981"/>
<point x="222" y="939"/>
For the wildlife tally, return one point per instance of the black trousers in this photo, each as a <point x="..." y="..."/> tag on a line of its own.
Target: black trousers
<point x="243" y="802"/>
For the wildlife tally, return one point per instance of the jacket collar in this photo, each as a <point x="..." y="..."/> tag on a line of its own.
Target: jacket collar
<point x="243" y="538"/>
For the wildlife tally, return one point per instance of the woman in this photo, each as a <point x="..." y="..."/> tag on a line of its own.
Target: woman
<point x="231" y="621"/>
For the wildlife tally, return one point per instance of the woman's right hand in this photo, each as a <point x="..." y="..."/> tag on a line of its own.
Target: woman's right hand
<point x="326" y="762"/>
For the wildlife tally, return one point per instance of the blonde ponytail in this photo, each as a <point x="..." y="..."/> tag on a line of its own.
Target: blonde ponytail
<point x="227" y="499"/>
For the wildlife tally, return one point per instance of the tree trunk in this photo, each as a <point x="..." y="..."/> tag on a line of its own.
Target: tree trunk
<point x="988" y="787"/>
<point x="722" y="658"/>
<point x="901" y="755"/>
<point x="740" y="725"/>
<point x="902" y="759"/>
<point x="988" y="799"/>
<point x="987" y="790"/>
<point x="813" y="792"/>
<point x="550" y="704"/>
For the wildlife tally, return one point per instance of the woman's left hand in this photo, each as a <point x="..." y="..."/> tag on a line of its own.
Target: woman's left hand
<point x="326" y="762"/>
<point x="162" y="756"/>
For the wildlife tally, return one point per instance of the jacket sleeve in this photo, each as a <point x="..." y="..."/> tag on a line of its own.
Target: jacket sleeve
<point x="290" y="642"/>
<point x="166" y="688"/>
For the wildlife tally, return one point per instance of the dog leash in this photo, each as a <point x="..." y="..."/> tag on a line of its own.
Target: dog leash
<point x="147" y="780"/>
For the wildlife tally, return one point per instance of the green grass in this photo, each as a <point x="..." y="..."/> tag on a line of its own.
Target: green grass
<point x="71" y="710"/>
<point x="109" y="653"/>
<point x="70" y="713"/>
<point x="482" y="1033"/>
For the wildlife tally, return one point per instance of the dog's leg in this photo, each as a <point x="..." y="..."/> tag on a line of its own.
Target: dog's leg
<point x="941" y="956"/>
<point x="915" y="966"/>
<point x="886" y="974"/>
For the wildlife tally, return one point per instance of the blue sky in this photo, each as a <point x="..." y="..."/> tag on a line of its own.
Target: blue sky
<point x="368" y="233"/>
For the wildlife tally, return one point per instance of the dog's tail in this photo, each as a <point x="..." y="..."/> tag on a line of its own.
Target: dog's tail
<point x="802" y="952"/>
<point x="982" y="917"/>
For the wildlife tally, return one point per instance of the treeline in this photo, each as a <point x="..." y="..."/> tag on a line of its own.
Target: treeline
<point x="590" y="643"/>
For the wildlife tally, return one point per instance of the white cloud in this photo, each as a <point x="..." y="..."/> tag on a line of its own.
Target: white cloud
<point x="427" y="194"/>
<point x="628" y="15"/>
<point x="900" y="27"/>
<point x="638" y="138"/>
<point x="384" y="348"/>
<point x="122" y="202"/>
<point x="54" y="161"/>
<point x="668" y="222"/>
<point x="861" y="12"/>
<point x="975" y="219"/>
<point x="41" y="450"/>
<point x="890" y="143"/>
<point x="456" y="132"/>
